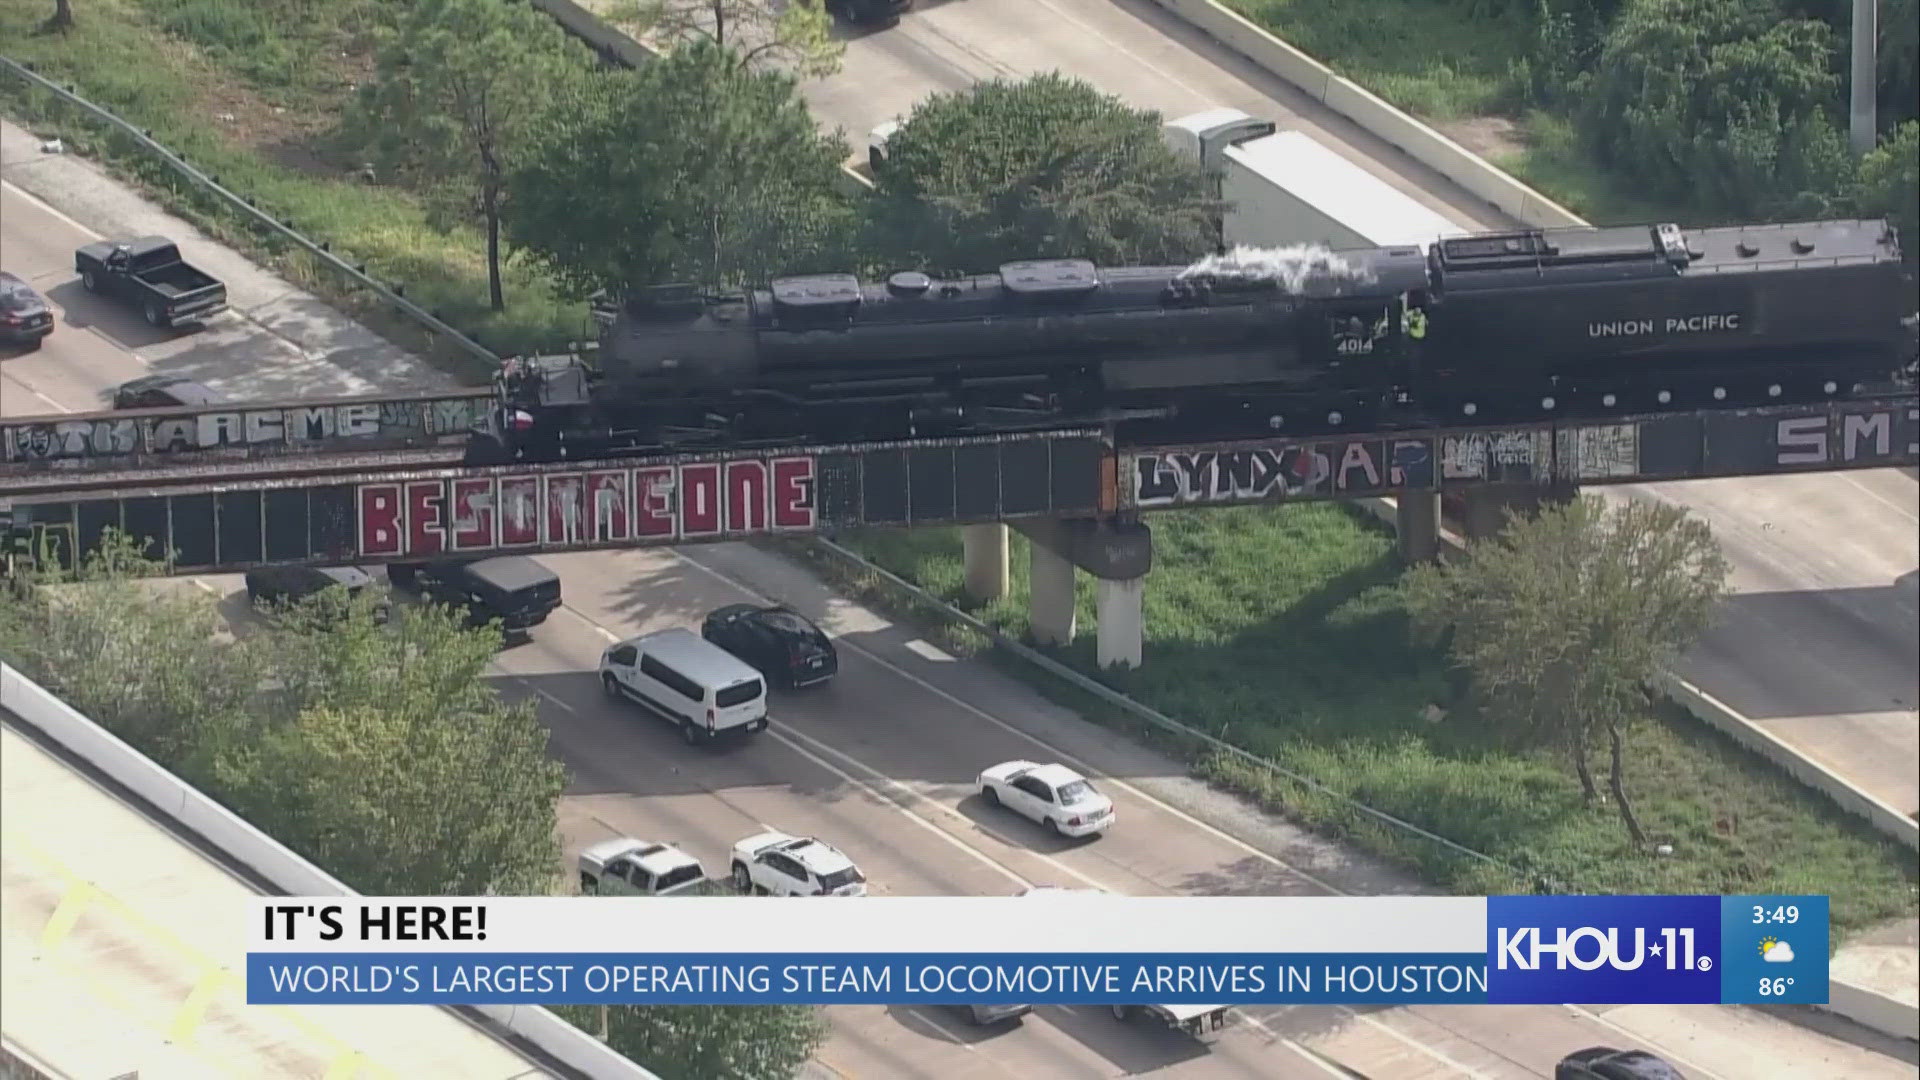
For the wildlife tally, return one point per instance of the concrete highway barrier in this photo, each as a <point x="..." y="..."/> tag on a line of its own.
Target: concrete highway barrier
<point x="1414" y="138"/>
<point x="273" y="861"/>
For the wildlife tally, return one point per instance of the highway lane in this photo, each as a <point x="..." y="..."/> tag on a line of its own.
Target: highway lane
<point x="881" y="769"/>
<point x="1818" y="645"/>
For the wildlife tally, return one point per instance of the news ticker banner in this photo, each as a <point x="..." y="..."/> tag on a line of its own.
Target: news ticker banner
<point x="1047" y="949"/>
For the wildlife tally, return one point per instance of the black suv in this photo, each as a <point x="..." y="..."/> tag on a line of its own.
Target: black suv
<point x="292" y="584"/>
<point x="514" y="589"/>
<point x="163" y="392"/>
<point x="1606" y="1063"/>
<point x="780" y="643"/>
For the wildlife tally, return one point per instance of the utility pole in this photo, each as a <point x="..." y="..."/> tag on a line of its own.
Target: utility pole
<point x="1865" y="76"/>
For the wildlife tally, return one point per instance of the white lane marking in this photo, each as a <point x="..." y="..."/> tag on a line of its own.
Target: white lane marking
<point x="937" y="805"/>
<point x="1879" y="498"/>
<point x="546" y="696"/>
<point x="1182" y="815"/>
<point x="921" y="1015"/>
<point x="1085" y="768"/>
<point x="22" y="384"/>
<point x="929" y="651"/>
<point x="50" y="208"/>
<point x="936" y="830"/>
<point x="209" y="589"/>
<point x="774" y="730"/>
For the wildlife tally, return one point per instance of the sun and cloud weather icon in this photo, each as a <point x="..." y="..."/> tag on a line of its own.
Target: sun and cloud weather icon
<point x="1775" y="951"/>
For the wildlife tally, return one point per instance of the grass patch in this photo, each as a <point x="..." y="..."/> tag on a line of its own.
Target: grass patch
<point x="1438" y="59"/>
<point x="1280" y="631"/>
<point x="231" y="102"/>
<point x="1552" y="163"/>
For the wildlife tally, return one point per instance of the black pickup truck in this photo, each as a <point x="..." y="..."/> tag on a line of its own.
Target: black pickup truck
<point x="876" y="13"/>
<point x="149" y="274"/>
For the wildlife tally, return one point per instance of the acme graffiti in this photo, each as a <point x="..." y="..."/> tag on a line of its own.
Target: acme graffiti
<point x="1304" y="470"/>
<point x="644" y="504"/>
<point x="370" y="424"/>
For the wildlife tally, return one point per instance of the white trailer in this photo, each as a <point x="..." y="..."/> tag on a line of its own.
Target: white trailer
<point x="1284" y="188"/>
<point x="1195" y="1020"/>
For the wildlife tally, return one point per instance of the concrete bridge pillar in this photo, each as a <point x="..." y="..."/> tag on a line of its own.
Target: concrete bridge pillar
<point x="1050" y="601"/>
<point x="1484" y="509"/>
<point x="985" y="550"/>
<point x="1417" y="520"/>
<point x="1122" y="622"/>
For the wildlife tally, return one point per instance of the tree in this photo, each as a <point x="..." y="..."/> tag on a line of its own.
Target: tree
<point x="693" y="1042"/>
<point x="379" y="752"/>
<point x="454" y="88"/>
<point x="1721" y="103"/>
<point x="1044" y="167"/>
<point x="692" y="169"/>
<point x="146" y="659"/>
<point x="1563" y="619"/>
<point x="796" y="34"/>
<point x="1890" y="184"/>
<point x="394" y="763"/>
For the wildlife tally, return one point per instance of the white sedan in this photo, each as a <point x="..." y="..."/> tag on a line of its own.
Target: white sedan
<point x="1053" y="795"/>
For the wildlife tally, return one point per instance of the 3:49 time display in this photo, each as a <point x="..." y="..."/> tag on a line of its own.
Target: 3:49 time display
<point x="1785" y="914"/>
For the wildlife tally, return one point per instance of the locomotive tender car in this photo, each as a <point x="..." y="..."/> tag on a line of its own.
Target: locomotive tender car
<point x="1477" y="328"/>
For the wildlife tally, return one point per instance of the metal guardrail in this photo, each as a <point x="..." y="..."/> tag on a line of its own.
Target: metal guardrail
<point x="242" y="204"/>
<point x="1153" y="716"/>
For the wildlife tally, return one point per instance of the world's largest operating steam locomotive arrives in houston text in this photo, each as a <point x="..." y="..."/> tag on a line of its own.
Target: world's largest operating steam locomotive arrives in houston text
<point x="1633" y="319"/>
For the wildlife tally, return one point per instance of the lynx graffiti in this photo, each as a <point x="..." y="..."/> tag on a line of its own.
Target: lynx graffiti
<point x="71" y="439"/>
<point x="644" y="504"/>
<point x="1346" y="468"/>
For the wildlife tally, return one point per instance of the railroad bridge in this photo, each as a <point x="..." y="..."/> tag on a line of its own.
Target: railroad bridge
<point x="366" y="482"/>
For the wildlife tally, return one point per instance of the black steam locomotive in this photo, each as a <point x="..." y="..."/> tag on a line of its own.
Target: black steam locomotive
<point x="1475" y="329"/>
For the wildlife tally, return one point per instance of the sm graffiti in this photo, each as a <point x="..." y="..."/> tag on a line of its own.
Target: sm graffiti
<point x="1333" y="469"/>
<point x="1852" y="438"/>
<point x="644" y="504"/>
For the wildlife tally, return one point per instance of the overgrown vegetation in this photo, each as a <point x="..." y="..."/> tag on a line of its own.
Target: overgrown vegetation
<point x="380" y="752"/>
<point x="1710" y="110"/>
<point x="261" y="112"/>
<point x="1285" y="632"/>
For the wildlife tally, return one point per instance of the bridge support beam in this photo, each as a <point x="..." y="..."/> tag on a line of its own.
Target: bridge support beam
<point x="1050" y="600"/>
<point x="1417" y="520"/>
<point x="985" y="552"/>
<point x="1484" y="509"/>
<point x="1122" y="622"/>
<point x="1118" y="553"/>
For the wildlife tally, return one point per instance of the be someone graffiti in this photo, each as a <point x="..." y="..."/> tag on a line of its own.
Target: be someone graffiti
<point x="647" y="504"/>
<point x="1343" y="469"/>
<point x="280" y="429"/>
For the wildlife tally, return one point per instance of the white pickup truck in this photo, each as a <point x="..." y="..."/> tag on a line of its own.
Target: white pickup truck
<point x="624" y="866"/>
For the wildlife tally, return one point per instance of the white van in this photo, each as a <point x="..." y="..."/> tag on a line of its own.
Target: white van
<point x="703" y="688"/>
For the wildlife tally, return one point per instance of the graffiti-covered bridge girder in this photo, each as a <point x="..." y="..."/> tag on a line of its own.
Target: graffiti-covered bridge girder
<point x="404" y="514"/>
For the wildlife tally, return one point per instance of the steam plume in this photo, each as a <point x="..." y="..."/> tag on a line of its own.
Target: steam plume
<point x="1291" y="266"/>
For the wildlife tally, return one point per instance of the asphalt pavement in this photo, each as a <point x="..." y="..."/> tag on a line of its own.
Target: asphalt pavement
<point x="877" y="763"/>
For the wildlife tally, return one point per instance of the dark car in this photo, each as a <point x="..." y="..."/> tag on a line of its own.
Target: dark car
<point x="780" y="643"/>
<point x="514" y="589"/>
<point x="877" y="13"/>
<point x="149" y="274"/>
<point x="163" y="392"/>
<point x="291" y="584"/>
<point x="1606" y="1063"/>
<point x="25" y="318"/>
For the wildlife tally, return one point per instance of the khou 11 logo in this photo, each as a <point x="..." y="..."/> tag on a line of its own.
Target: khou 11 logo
<point x="1616" y="949"/>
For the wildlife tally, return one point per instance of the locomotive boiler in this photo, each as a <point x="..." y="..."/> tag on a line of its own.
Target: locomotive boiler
<point x="1300" y="341"/>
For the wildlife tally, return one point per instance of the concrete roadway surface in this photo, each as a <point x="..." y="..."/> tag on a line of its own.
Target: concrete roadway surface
<point x="1818" y="645"/>
<point x="878" y="763"/>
